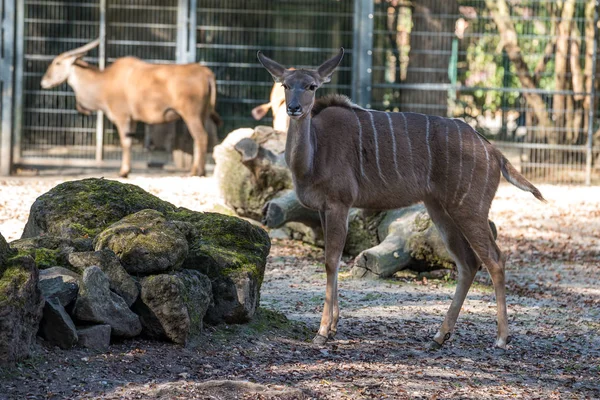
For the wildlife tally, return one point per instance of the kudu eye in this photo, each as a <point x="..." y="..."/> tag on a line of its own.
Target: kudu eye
<point x="312" y="88"/>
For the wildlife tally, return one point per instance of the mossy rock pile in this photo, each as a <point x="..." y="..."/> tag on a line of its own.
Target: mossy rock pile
<point x="21" y="304"/>
<point x="212" y="265"/>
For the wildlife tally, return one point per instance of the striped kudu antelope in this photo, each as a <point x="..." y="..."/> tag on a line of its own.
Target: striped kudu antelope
<point x="343" y="156"/>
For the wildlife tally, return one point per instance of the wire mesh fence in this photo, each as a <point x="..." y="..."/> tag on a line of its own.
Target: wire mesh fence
<point x="523" y="72"/>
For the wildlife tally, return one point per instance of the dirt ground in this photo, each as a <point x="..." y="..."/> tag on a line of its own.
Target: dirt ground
<point x="381" y="348"/>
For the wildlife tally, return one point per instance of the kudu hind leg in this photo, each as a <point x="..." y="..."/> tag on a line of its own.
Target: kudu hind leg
<point x="200" y="136"/>
<point x="335" y="227"/>
<point x="466" y="262"/>
<point x="478" y="233"/>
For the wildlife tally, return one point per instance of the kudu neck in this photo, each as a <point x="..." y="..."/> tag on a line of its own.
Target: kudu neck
<point x="88" y="83"/>
<point x="300" y="146"/>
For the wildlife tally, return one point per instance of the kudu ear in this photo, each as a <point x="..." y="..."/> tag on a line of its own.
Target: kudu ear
<point x="328" y="67"/>
<point x="275" y="69"/>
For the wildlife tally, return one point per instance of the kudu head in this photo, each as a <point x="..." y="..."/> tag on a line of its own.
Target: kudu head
<point x="300" y="84"/>
<point x="60" y="68"/>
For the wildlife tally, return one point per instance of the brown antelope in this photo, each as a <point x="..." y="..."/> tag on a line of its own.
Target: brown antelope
<point x="276" y="103"/>
<point x="131" y="90"/>
<point x="343" y="156"/>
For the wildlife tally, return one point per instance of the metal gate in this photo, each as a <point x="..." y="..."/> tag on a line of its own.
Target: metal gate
<point x="429" y="56"/>
<point x="7" y="62"/>
<point x="223" y="35"/>
<point x="52" y="131"/>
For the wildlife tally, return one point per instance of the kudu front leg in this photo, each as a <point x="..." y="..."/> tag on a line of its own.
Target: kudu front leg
<point x="126" y="129"/>
<point x="335" y="228"/>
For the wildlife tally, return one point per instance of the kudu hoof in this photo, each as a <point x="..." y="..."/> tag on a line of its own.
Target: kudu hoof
<point x="319" y="339"/>
<point x="502" y="343"/>
<point x="123" y="174"/>
<point x="331" y="335"/>
<point x="433" y="345"/>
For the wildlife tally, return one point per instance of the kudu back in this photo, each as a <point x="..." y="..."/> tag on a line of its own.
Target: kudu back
<point x="131" y="90"/>
<point x="342" y="156"/>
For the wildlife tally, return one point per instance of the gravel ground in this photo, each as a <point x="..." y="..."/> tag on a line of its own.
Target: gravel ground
<point x="554" y="313"/>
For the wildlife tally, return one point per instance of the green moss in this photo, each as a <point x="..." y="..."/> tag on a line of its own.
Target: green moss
<point x="223" y="245"/>
<point x="44" y="258"/>
<point x="12" y="279"/>
<point x="85" y="207"/>
<point x="265" y="321"/>
<point x="420" y="250"/>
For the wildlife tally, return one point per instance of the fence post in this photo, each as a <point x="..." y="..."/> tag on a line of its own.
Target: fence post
<point x="7" y="18"/>
<point x="186" y="31"/>
<point x="592" y="112"/>
<point x="362" y="52"/>
<point x="101" y="65"/>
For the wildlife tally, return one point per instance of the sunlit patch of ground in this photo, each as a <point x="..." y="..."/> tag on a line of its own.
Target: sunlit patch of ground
<point x="381" y="349"/>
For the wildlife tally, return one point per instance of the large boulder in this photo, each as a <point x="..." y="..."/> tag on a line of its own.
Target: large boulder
<point x="120" y="281"/>
<point x="98" y="304"/>
<point x="21" y="304"/>
<point x="173" y="305"/>
<point x="84" y="208"/>
<point x="250" y="169"/>
<point x="232" y="253"/>
<point x="56" y="326"/>
<point x="145" y="242"/>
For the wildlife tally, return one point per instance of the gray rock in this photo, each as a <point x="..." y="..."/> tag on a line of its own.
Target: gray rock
<point x="145" y="242"/>
<point x="96" y="337"/>
<point x="82" y="209"/>
<point x="57" y="327"/>
<point x="236" y="299"/>
<point x="50" y="251"/>
<point x="57" y="288"/>
<point x="21" y="305"/>
<point x="5" y="251"/>
<point x="232" y="253"/>
<point x="174" y="305"/>
<point x="120" y="281"/>
<point x="66" y="274"/>
<point x="97" y="303"/>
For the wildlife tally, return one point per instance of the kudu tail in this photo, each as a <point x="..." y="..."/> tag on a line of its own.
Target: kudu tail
<point x="213" y="92"/>
<point x="513" y="176"/>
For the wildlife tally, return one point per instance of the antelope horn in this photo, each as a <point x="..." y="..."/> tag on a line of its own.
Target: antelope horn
<point x="81" y="50"/>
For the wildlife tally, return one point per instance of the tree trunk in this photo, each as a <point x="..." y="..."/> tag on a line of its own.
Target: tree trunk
<point x="589" y="59"/>
<point x="501" y="16"/>
<point x="561" y="70"/>
<point x="286" y="208"/>
<point x="430" y="51"/>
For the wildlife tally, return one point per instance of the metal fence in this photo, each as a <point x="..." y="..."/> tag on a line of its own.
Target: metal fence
<point x="523" y="72"/>
<point x="532" y="92"/>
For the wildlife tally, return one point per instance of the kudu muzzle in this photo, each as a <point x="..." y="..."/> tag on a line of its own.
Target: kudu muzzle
<point x="294" y="108"/>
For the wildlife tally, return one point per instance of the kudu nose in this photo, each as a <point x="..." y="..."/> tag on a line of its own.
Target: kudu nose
<point x="294" y="109"/>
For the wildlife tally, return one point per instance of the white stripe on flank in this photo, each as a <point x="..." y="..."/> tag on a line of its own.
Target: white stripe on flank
<point x="360" y="145"/>
<point x="472" y="171"/>
<point x="410" y="152"/>
<point x="459" y="159"/>
<point x="447" y="166"/>
<point x="430" y="164"/>
<point x="487" y="170"/>
<point x="376" y="139"/>
<point x="393" y="144"/>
